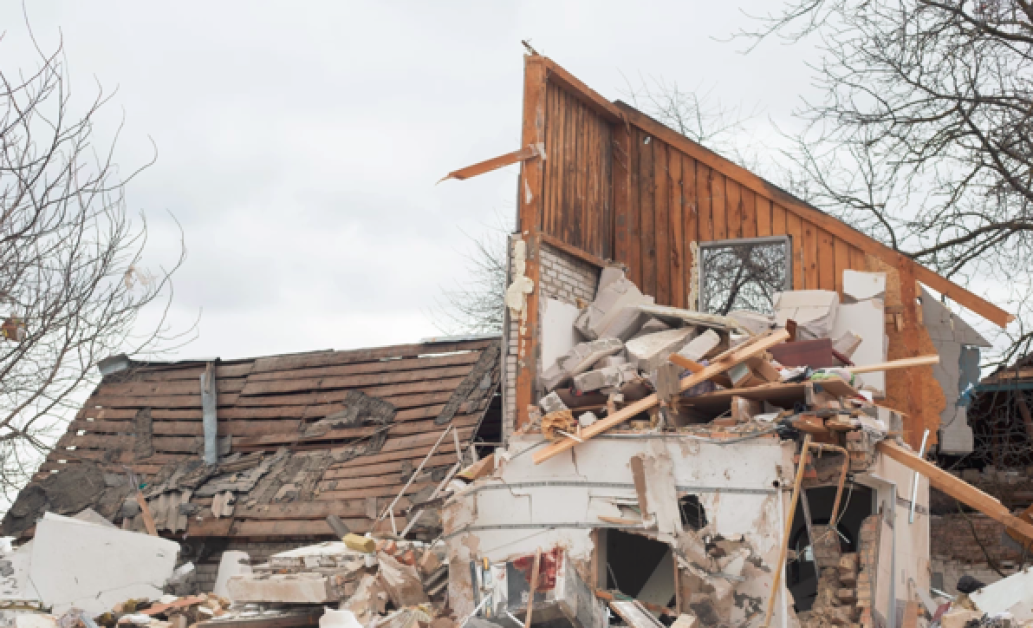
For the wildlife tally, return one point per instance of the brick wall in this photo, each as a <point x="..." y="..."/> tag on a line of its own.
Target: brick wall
<point x="956" y="551"/>
<point x="562" y="277"/>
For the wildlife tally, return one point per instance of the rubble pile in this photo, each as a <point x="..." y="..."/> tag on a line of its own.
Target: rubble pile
<point x="391" y="580"/>
<point x="632" y="348"/>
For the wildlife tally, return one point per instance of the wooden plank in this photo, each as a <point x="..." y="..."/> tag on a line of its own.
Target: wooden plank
<point x="676" y="209"/>
<point x="734" y="211"/>
<point x="398" y="429"/>
<point x="913" y="422"/>
<point x="606" y="179"/>
<point x="957" y="488"/>
<point x="794" y="229"/>
<point x="373" y="491"/>
<point x="662" y="224"/>
<point x="892" y="365"/>
<point x="811" y="214"/>
<point x="386" y="392"/>
<point x="634" y="258"/>
<point x="782" y="395"/>
<point x="720" y="364"/>
<point x="857" y="259"/>
<point x="763" y="208"/>
<point x="810" y="256"/>
<point x="718" y="204"/>
<point x="749" y="213"/>
<point x="826" y="260"/>
<point x="647" y="215"/>
<point x="489" y="165"/>
<point x="704" y="204"/>
<point x="383" y="468"/>
<point x="335" y="358"/>
<point x="575" y="212"/>
<point x="620" y="168"/>
<point x="188" y="428"/>
<point x="183" y="371"/>
<point x="573" y="250"/>
<point x="842" y="257"/>
<point x="690" y="234"/>
<point x="366" y="368"/>
<point x="593" y="208"/>
<point x="555" y="130"/>
<point x="349" y="508"/>
<point x="778" y="220"/>
<point x="353" y="381"/>
<point x="602" y="107"/>
<point x="161" y="389"/>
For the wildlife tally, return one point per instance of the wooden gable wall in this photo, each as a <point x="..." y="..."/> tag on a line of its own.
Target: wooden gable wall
<point x="617" y="185"/>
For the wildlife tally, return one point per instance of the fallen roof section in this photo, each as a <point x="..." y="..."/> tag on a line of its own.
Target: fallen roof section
<point x="300" y="437"/>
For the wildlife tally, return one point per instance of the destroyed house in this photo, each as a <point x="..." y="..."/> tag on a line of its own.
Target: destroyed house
<point x="295" y="438"/>
<point x="714" y="394"/>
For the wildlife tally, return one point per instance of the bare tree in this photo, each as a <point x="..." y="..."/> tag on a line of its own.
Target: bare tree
<point x="922" y="136"/>
<point x="72" y="280"/>
<point x="477" y="305"/>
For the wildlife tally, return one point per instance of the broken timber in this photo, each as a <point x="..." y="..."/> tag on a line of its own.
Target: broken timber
<point x="958" y="489"/>
<point x="721" y="364"/>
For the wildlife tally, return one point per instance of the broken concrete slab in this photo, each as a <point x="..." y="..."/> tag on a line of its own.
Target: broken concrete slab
<point x="579" y="359"/>
<point x="648" y="352"/>
<point x="701" y="346"/>
<point x="651" y="326"/>
<point x="233" y="563"/>
<point x="815" y="312"/>
<point x="1013" y="595"/>
<point x="613" y="313"/>
<point x="66" y="554"/>
<point x="299" y="588"/>
<point x="610" y="377"/>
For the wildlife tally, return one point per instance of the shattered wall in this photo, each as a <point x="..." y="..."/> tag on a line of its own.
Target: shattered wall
<point x="634" y="483"/>
<point x="565" y="279"/>
<point x="560" y="502"/>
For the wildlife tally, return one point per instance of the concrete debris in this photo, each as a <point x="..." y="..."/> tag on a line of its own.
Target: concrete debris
<point x="648" y="352"/>
<point x="608" y="377"/>
<point x="701" y="346"/>
<point x="578" y="360"/>
<point x="66" y="554"/>
<point x="613" y="313"/>
<point x="1012" y="595"/>
<point x="753" y="322"/>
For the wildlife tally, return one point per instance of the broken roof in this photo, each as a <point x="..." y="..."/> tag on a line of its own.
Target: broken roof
<point x="301" y="437"/>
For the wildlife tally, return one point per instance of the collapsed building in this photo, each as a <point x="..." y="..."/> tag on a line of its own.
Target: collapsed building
<point x="712" y="405"/>
<point x="636" y="246"/>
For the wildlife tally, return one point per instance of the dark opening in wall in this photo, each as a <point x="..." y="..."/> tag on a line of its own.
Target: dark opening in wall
<point x="639" y="566"/>
<point x="692" y="514"/>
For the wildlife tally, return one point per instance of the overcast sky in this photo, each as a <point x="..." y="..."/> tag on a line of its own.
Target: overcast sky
<point x="299" y="142"/>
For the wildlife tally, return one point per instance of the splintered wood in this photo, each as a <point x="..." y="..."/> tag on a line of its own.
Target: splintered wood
<point x="720" y="365"/>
